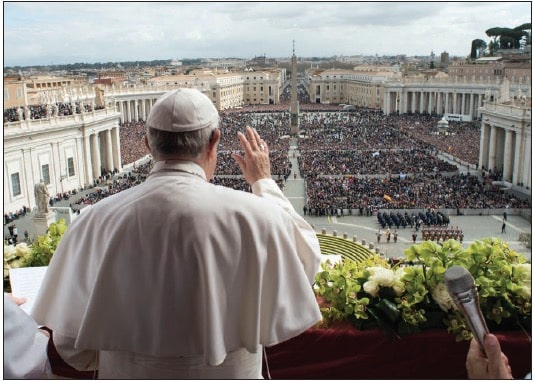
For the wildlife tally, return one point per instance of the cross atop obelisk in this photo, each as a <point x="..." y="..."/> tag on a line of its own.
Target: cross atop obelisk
<point x="294" y="102"/>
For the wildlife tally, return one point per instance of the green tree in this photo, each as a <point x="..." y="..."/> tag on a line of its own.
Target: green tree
<point x="477" y="47"/>
<point x="507" y="38"/>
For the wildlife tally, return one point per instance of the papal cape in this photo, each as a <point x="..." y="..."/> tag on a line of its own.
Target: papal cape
<point x="177" y="266"/>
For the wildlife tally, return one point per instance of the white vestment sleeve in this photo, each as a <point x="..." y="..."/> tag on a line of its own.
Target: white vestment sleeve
<point x="306" y="240"/>
<point x="25" y="348"/>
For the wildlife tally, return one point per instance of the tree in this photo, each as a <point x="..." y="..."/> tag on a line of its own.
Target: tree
<point x="477" y="47"/>
<point x="507" y="38"/>
<point x="527" y="28"/>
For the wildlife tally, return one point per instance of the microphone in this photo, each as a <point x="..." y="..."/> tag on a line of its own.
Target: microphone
<point x="461" y="287"/>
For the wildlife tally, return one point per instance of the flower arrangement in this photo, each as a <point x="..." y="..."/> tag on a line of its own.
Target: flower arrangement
<point x="411" y="295"/>
<point x="38" y="253"/>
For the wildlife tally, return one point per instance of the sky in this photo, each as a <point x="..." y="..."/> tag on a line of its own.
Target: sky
<point x="48" y="33"/>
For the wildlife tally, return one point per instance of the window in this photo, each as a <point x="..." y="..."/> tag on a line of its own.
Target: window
<point x="45" y="171"/>
<point x="70" y="165"/>
<point x="15" y="184"/>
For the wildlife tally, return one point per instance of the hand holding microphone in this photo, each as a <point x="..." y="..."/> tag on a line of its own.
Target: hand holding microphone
<point x="461" y="287"/>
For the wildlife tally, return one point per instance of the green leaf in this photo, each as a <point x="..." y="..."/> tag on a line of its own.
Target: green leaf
<point x="383" y="323"/>
<point x="389" y="309"/>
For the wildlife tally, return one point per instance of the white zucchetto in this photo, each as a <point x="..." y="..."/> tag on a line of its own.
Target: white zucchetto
<point x="183" y="110"/>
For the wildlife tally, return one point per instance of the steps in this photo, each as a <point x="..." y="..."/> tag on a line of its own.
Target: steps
<point x="331" y="245"/>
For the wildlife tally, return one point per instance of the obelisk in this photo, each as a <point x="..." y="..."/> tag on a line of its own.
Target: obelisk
<point x="294" y="103"/>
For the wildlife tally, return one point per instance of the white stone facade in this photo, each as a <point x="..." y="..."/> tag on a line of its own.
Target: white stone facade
<point x="67" y="152"/>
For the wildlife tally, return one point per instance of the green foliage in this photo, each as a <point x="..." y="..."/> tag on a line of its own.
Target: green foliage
<point x="477" y="47"/>
<point x="38" y="254"/>
<point x="412" y="296"/>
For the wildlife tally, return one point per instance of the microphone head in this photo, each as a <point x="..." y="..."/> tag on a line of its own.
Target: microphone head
<point x="458" y="279"/>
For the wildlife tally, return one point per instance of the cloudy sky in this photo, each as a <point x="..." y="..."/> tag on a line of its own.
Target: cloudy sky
<point x="44" y="33"/>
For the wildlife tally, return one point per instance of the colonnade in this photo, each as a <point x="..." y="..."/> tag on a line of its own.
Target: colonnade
<point x="135" y="109"/>
<point x="439" y="101"/>
<point x="506" y="149"/>
<point x="102" y="152"/>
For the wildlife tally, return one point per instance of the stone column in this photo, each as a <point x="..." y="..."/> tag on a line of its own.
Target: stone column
<point x="404" y="104"/>
<point x="421" y="101"/>
<point x="109" y="151"/>
<point x="121" y="111"/>
<point x="472" y="105"/>
<point x="430" y="97"/>
<point x="446" y="109"/>
<point x="128" y="111"/>
<point x="143" y="110"/>
<point x="28" y="182"/>
<point x="87" y="157"/>
<point x="526" y="154"/>
<point x="439" y="109"/>
<point x="508" y="152"/>
<point x="136" y="110"/>
<point x="454" y="103"/>
<point x="492" y="147"/>
<point x="115" y="137"/>
<point x="95" y="146"/>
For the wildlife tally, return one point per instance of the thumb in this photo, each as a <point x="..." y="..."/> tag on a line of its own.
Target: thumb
<point x="496" y="364"/>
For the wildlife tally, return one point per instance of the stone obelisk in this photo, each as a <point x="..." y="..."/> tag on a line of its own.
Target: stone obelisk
<point x="294" y="103"/>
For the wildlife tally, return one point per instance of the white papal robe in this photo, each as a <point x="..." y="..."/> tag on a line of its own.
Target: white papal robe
<point x="179" y="278"/>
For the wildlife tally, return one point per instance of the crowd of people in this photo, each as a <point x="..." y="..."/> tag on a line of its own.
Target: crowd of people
<point x="132" y="146"/>
<point x="359" y="159"/>
<point x="242" y="265"/>
<point x="41" y="111"/>
<point x="459" y="191"/>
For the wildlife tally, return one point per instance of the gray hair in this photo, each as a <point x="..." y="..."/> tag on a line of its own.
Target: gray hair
<point x="185" y="144"/>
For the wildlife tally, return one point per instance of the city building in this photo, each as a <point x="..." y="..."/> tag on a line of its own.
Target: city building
<point x="262" y="87"/>
<point x="66" y="152"/>
<point x="341" y="86"/>
<point x="516" y="68"/>
<point x="506" y="138"/>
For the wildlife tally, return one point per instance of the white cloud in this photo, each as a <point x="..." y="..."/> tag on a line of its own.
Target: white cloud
<point x="45" y="32"/>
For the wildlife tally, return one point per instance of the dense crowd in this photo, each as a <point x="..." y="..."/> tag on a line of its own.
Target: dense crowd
<point x="350" y="159"/>
<point x="132" y="143"/>
<point x="460" y="191"/>
<point x="377" y="155"/>
<point x="397" y="161"/>
<point x="41" y="111"/>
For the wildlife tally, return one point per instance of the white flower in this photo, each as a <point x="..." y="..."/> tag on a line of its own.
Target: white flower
<point x="371" y="288"/>
<point x="382" y="276"/>
<point x="398" y="285"/>
<point x="22" y="250"/>
<point x="442" y="297"/>
<point x="9" y="252"/>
